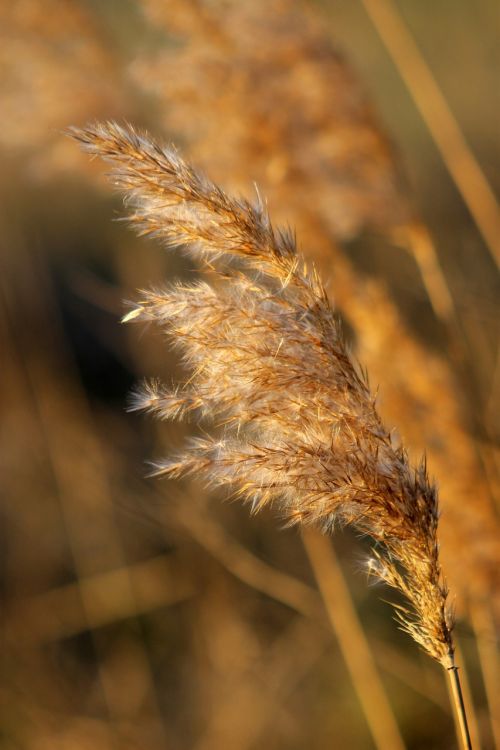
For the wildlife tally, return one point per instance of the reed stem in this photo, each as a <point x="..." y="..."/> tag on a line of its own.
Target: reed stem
<point x="457" y="701"/>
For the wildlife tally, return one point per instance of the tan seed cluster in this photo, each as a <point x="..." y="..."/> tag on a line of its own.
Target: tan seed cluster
<point x="295" y="424"/>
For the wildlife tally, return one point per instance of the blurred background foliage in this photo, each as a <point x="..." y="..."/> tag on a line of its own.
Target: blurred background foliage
<point x="146" y="614"/>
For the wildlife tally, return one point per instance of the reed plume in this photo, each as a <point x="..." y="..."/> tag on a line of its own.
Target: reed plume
<point x="295" y="422"/>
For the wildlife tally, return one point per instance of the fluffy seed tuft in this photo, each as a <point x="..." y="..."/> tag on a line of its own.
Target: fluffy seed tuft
<point x="269" y="367"/>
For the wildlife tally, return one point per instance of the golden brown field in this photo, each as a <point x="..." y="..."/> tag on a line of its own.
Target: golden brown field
<point x="154" y="613"/>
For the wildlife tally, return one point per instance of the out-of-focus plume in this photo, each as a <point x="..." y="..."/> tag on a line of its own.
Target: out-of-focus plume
<point x="249" y="83"/>
<point x="52" y="71"/>
<point x="269" y="367"/>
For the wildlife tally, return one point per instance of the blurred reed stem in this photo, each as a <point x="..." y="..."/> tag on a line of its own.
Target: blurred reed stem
<point x="352" y="640"/>
<point x="486" y="639"/>
<point x="439" y="119"/>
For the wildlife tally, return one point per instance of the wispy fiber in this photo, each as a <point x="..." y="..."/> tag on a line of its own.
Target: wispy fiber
<point x="296" y="422"/>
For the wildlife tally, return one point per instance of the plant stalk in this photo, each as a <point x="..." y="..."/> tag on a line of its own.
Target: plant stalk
<point x="457" y="701"/>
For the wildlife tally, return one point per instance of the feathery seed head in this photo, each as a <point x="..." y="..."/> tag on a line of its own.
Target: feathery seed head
<point x="269" y="366"/>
